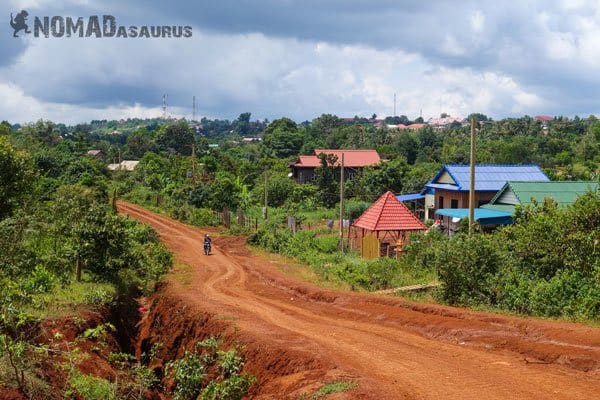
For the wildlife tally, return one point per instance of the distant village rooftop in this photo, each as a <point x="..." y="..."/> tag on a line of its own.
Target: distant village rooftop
<point x="126" y="165"/>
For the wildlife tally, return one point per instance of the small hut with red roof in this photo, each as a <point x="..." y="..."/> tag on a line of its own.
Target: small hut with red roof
<point x="384" y="227"/>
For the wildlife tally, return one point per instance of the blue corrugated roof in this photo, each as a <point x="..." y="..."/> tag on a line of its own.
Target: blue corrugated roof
<point x="410" y="197"/>
<point x="482" y="215"/>
<point x="488" y="177"/>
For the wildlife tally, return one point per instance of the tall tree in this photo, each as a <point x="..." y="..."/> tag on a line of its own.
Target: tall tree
<point x="242" y="124"/>
<point x="14" y="177"/>
<point x="140" y="142"/>
<point x="282" y="138"/>
<point x="177" y="138"/>
<point x="326" y="180"/>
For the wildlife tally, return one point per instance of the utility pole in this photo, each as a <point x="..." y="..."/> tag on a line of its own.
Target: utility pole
<point x="164" y="108"/>
<point x="194" y="158"/>
<point x="472" y="187"/>
<point x="342" y="205"/>
<point x="194" y="108"/>
<point x="265" y="209"/>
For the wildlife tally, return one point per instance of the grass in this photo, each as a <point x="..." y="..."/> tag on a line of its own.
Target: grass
<point x="66" y="300"/>
<point x="298" y="270"/>
<point x="330" y="388"/>
<point x="182" y="273"/>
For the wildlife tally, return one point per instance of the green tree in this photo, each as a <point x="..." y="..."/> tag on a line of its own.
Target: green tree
<point x="388" y="176"/>
<point x="279" y="188"/>
<point x="176" y="138"/>
<point x="242" y="124"/>
<point x="326" y="124"/>
<point x="5" y="128"/>
<point x="407" y="146"/>
<point x="225" y="192"/>
<point x="15" y="174"/>
<point x="327" y="177"/>
<point x="140" y="142"/>
<point x="282" y="138"/>
<point x="44" y="132"/>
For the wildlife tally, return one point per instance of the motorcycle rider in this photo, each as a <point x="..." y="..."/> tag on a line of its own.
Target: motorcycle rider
<point x="207" y="243"/>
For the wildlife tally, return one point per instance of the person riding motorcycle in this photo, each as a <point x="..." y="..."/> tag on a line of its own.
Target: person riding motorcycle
<point x="207" y="244"/>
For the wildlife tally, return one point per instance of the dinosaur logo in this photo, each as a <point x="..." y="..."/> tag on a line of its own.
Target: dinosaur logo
<point x="18" y="22"/>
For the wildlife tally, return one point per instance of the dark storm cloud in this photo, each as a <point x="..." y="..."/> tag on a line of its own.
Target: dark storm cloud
<point x="300" y="58"/>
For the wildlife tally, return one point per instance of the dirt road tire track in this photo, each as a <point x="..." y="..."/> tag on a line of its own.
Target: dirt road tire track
<point x="394" y="349"/>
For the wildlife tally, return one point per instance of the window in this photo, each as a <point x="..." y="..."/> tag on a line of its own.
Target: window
<point x="453" y="203"/>
<point x="441" y="202"/>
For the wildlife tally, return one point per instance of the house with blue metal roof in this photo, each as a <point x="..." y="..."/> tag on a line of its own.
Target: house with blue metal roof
<point x="452" y="182"/>
<point x="449" y="188"/>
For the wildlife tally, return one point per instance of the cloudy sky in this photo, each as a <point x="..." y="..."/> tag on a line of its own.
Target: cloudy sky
<point x="303" y="58"/>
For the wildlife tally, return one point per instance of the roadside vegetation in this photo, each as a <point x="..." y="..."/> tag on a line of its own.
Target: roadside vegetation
<point x="69" y="264"/>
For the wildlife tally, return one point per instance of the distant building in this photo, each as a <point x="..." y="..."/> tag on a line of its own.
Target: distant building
<point x="303" y="170"/>
<point x="251" y="140"/>
<point x="544" y="119"/>
<point x="126" y="165"/>
<point x="95" y="153"/>
<point x="444" y="122"/>
<point x="413" y="126"/>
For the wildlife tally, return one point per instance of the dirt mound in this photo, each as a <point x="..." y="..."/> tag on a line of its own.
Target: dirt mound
<point x="297" y="336"/>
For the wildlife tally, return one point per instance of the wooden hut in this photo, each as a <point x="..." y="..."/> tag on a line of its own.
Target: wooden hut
<point x="384" y="227"/>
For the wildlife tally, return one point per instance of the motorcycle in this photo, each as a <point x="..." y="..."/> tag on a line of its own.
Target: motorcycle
<point x="207" y="248"/>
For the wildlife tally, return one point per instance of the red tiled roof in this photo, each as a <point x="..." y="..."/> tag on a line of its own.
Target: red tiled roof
<point x="416" y="126"/>
<point x="389" y="214"/>
<point x="544" y="118"/>
<point x="352" y="158"/>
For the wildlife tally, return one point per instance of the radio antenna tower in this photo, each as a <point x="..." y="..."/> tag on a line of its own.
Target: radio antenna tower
<point x="394" y="105"/>
<point x="164" y="107"/>
<point x="194" y="108"/>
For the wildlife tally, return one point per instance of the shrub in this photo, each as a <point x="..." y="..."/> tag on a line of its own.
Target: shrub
<point x="467" y="265"/>
<point x="90" y="387"/>
<point x="355" y="209"/>
<point x="190" y="373"/>
<point x="203" y="217"/>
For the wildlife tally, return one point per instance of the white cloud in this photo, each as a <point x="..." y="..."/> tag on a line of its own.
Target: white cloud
<point x="477" y="20"/>
<point x="18" y="107"/>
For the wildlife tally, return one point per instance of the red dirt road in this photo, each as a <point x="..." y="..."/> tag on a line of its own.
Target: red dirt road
<point x="392" y="348"/>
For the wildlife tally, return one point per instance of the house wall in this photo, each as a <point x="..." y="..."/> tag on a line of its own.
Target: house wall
<point x="429" y="206"/>
<point x="307" y="174"/>
<point x="461" y="197"/>
<point x="303" y="175"/>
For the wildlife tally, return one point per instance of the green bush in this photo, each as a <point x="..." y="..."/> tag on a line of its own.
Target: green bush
<point x="354" y="209"/>
<point x="190" y="373"/>
<point x="328" y="244"/>
<point x="90" y="387"/>
<point x="467" y="266"/>
<point x="203" y="217"/>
